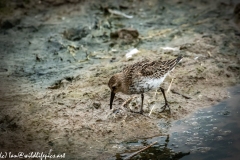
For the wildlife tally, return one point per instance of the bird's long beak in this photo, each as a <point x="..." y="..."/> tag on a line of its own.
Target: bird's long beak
<point x="111" y="99"/>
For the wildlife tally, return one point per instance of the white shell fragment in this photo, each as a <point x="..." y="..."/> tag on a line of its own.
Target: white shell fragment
<point x="116" y="12"/>
<point x="170" y="48"/>
<point x="131" y="53"/>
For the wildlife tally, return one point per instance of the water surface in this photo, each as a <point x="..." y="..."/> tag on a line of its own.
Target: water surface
<point x="210" y="133"/>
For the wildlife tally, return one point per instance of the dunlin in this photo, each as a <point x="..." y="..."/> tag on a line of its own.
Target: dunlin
<point x="142" y="77"/>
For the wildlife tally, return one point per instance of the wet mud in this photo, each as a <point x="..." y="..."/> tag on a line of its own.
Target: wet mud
<point x="57" y="58"/>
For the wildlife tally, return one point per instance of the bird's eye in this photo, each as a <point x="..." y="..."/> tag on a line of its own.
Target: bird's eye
<point x="114" y="88"/>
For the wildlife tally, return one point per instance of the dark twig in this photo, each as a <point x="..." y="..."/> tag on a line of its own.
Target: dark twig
<point x="135" y="153"/>
<point x="184" y="96"/>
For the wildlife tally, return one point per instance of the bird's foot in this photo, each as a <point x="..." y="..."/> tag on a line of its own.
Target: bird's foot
<point x="165" y="106"/>
<point x="141" y="112"/>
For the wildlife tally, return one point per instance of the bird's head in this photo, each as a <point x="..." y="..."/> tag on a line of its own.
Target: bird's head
<point x="115" y="85"/>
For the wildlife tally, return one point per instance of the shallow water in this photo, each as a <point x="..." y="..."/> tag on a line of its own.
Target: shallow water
<point x="210" y="133"/>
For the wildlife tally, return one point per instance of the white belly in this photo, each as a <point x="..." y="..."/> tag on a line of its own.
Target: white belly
<point x="146" y="84"/>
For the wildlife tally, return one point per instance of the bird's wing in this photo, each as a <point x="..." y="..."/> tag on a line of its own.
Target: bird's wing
<point x="150" y="69"/>
<point x="153" y="69"/>
<point x="134" y="69"/>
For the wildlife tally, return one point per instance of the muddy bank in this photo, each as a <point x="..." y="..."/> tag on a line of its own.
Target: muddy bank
<point x="57" y="58"/>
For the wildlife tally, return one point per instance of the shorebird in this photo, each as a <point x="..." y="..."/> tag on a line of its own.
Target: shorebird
<point x="142" y="77"/>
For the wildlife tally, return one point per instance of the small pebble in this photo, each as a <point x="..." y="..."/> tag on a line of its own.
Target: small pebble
<point x="97" y="105"/>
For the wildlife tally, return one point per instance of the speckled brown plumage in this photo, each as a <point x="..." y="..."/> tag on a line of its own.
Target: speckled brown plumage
<point x="141" y="77"/>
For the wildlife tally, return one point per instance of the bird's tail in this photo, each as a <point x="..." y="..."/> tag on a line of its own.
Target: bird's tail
<point x="179" y="58"/>
<point x="172" y="63"/>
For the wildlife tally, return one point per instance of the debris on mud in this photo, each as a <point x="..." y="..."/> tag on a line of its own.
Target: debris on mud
<point x="76" y="34"/>
<point x="125" y="33"/>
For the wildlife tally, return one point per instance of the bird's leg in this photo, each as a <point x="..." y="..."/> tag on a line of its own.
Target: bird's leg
<point x="141" y="111"/>
<point x="142" y="97"/>
<point x="166" y="102"/>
